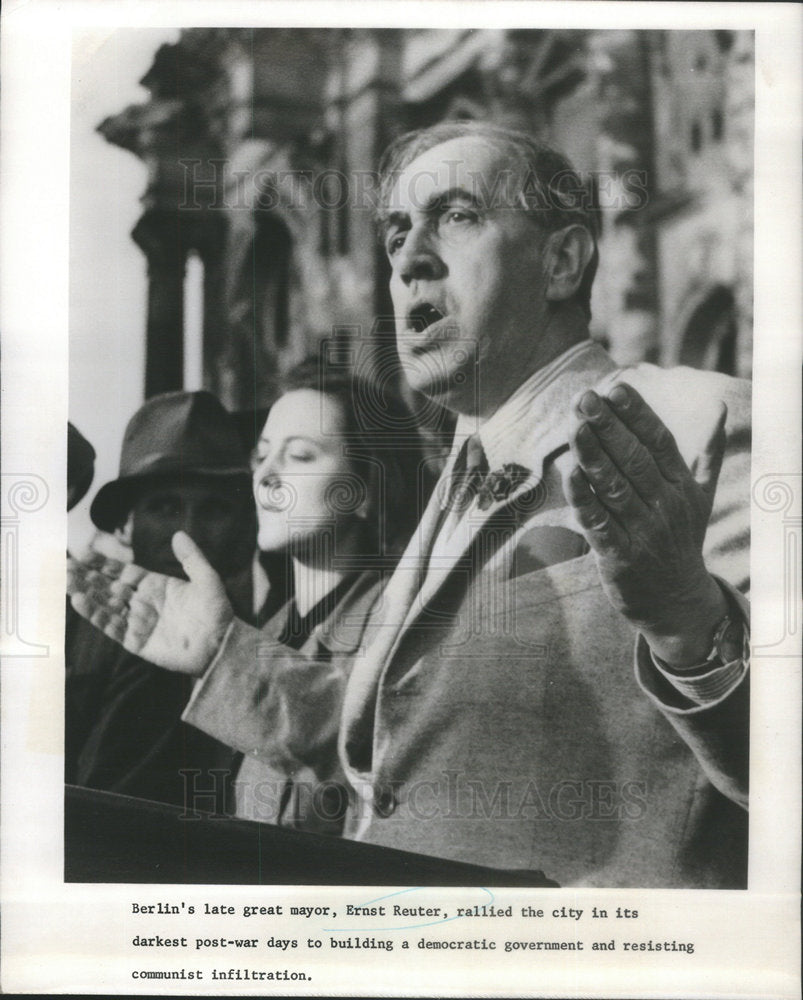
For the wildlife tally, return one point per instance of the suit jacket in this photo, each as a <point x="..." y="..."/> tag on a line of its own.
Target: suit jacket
<point x="279" y="707"/>
<point x="496" y="718"/>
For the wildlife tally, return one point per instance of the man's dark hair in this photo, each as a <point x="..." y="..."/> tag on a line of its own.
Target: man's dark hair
<point x="536" y="178"/>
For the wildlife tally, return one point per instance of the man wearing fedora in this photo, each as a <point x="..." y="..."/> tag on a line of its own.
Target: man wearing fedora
<point x="183" y="467"/>
<point x="182" y="463"/>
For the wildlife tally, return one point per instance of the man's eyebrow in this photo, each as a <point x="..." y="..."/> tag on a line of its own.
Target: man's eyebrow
<point x="439" y="199"/>
<point x="394" y="219"/>
<point x="434" y="203"/>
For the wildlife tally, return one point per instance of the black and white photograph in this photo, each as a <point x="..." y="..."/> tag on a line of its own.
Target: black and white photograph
<point x="423" y="308"/>
<point x="409" y="485"/>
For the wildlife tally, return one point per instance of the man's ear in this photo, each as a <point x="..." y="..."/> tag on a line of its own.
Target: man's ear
<point x="568" y="252"/>
<point x="124" y="532"/>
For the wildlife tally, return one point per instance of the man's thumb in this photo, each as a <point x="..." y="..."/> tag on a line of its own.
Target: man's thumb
<point x="193" y="561"/>
<point x="706" y="466"/>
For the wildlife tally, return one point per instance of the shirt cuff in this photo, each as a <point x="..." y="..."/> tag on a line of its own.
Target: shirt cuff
<point x="707" y="687"/>
<point x="701" y="687"/>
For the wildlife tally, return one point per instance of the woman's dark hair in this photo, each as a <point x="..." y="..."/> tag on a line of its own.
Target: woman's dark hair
<point x="383" y="444"/>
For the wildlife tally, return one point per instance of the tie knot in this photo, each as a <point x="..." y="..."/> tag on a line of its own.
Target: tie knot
<point x="475" y="455"/>
<point x="468" y="473"/>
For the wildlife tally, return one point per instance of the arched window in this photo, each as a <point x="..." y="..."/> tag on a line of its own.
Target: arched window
<point x="709" y="340"/>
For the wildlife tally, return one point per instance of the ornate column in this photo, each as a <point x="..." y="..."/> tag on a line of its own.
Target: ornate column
<point x="179" y="134"/>
<point x="215" y="328"/>
<point x="158" y="234"/>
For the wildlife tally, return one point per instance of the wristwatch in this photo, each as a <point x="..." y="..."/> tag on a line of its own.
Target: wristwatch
<point x="728" y="644"/>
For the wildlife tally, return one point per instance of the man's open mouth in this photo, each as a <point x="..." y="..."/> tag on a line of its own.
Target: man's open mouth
<point x="422" y="315"/>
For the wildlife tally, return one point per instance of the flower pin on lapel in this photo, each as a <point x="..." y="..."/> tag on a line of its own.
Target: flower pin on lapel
<point x="498" y="485"/>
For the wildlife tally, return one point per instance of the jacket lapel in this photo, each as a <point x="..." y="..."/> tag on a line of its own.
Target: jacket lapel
<point x="534" y="444"/>
<point x="414" y="584"/>
<point x="356" y="731"/>
<point x="458" y="552"/>
<point x="342" y="632"/>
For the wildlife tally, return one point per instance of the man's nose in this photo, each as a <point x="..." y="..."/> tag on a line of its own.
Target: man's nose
<point x="418" y="258"/>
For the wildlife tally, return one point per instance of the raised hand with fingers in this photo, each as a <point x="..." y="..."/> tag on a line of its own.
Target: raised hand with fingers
<point x="176" y="624"/>
<point x="644" y="513"/>
<point x="100" y="589"/>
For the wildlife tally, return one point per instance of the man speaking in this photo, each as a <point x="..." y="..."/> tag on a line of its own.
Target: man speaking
<point x="497" y="718"/>
<point x="558" y="672"/>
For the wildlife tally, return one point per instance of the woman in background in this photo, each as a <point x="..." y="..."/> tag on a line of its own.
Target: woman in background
<point x="339" y="480"/>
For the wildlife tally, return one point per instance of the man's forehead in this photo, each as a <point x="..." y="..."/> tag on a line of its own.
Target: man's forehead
<point x="468" y="163"/>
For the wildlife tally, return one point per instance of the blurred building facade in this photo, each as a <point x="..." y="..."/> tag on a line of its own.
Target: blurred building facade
<point x="262" y="145"/>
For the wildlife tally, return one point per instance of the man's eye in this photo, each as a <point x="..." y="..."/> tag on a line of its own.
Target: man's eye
<point x="458" y="215"/>
<point x="394" y="243"/>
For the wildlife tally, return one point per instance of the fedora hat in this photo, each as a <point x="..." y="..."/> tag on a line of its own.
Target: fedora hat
<point x="80" y="466"/>
<point x="174" y="434"/>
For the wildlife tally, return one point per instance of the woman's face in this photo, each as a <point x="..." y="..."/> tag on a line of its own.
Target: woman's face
<point x="303" y="484"/>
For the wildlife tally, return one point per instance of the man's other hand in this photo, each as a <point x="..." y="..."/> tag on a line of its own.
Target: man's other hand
<point x="644" y="512"/>
<point x="173" y="623"/>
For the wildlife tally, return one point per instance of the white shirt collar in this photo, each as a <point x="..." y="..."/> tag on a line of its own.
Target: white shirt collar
<point x="503" y="432"/>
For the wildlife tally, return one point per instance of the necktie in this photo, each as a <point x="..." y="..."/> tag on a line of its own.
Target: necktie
<point x="468" y="473"/>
